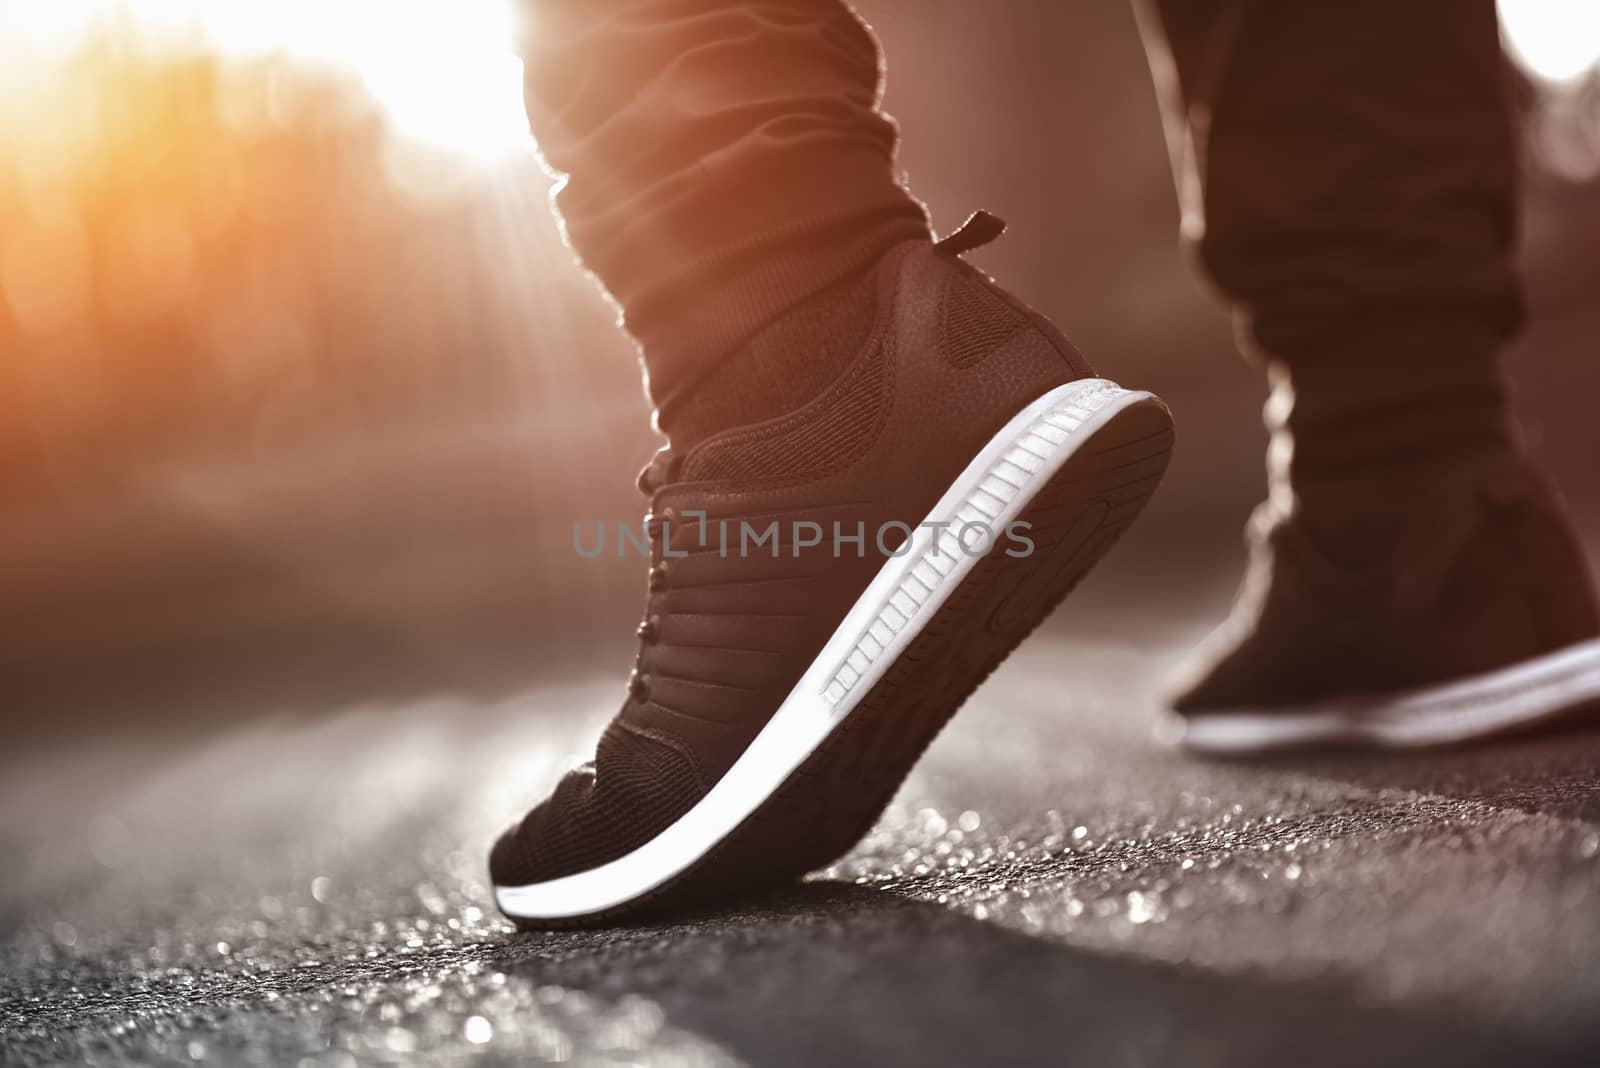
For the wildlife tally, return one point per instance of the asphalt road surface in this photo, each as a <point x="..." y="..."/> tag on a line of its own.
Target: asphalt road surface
<point x="1052" y="886"/>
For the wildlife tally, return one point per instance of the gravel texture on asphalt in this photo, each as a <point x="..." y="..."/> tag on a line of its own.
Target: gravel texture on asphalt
<point x="1051" y="886"/>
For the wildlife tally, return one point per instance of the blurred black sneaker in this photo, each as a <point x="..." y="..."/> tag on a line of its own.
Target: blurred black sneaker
<point x="1476" y="618"/>
<point x="828" y="586"/>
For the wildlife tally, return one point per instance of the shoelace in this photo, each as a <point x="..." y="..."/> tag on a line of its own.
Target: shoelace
<point x="979" y="229"/>
<point x="656" y="475"/>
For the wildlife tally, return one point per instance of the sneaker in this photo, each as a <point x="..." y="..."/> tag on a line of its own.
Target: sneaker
<point x="1480" y="619"/>
<point x="827" y="588"/>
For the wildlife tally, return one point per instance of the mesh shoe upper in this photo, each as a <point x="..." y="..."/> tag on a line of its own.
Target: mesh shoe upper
<point x="739" y="603"/>
<point x="1482" y="572"/>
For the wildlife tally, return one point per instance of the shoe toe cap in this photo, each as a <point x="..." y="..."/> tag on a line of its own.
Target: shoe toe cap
<point x="510" y="860"/>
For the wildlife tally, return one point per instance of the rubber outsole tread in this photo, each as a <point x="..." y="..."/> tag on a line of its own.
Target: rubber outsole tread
<point x="822" y="810"/>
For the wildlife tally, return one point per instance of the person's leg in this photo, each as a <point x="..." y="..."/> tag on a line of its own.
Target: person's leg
<point x="829" y="381"/>
<point x="721" y="162"/>
<point x="1348" y="181"/>
<point x="1348" y="177"/>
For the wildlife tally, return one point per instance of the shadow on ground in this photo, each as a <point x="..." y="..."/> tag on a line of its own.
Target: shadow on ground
<point x="836" y="974"/>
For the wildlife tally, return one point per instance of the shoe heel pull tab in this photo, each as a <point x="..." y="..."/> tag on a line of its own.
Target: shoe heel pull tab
<point x="979" y="229"/>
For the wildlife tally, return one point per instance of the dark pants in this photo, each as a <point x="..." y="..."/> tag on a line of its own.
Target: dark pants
<point x="1347" y="170"/>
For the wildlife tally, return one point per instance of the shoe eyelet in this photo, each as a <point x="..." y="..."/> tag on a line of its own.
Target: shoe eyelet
<point x="639" y="684"/>
<point x="650" y="630"/>
<point x="658" y="575"/>
<point x="655" y="522"/>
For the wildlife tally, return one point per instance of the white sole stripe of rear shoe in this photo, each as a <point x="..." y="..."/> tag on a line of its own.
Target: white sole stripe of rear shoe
<point x="1477" y="706"/>
<point x="995" y="487"/>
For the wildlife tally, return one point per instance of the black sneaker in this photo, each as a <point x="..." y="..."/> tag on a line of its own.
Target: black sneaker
<point x="1480" y="619"/>
<point x="827" y="589"/>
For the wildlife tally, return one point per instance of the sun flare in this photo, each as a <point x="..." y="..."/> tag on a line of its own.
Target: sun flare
<point x="443" y="71"/>
<point x="1556" y="41"/>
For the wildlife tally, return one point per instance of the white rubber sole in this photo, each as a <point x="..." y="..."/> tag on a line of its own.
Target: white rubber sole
<point x="1478" y="706"/>
<point x="908" y="590"/>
